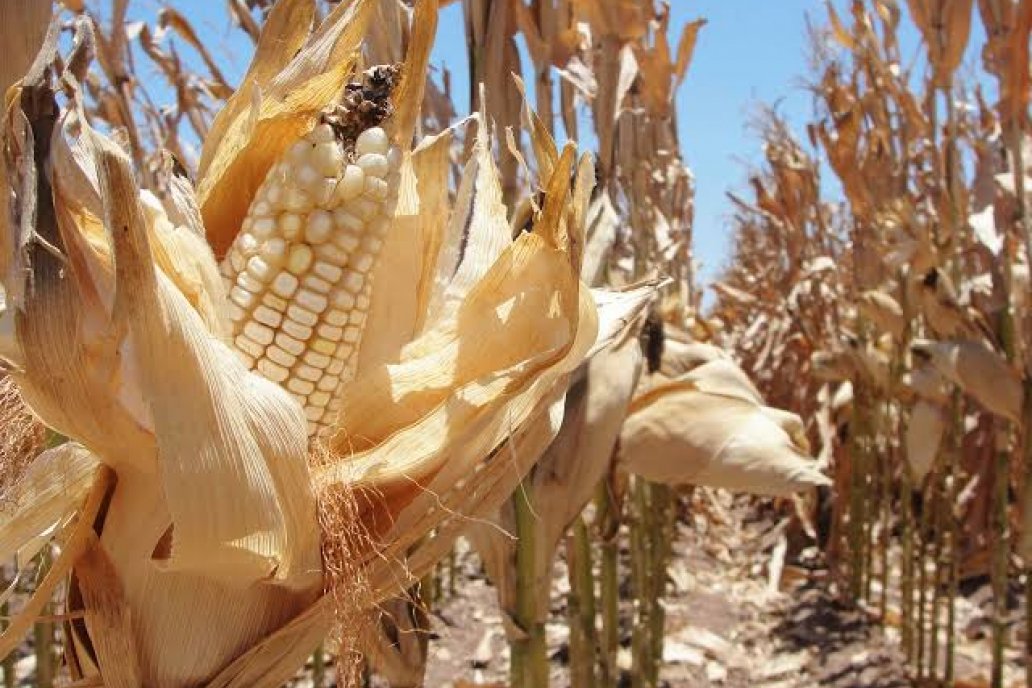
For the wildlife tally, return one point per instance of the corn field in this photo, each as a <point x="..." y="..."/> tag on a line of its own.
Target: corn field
<point x="326" y="373"/>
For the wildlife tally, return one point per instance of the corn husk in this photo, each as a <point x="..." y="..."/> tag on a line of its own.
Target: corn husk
<point x="979" y="371"/>
<point x="710" y="427"/>
<point x="924" y="436"/>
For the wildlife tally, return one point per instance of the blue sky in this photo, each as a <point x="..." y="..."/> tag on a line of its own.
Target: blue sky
<point x="751" y="53"/>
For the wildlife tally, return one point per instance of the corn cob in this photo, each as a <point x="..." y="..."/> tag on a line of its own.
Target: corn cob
<point x="298" y="273"/>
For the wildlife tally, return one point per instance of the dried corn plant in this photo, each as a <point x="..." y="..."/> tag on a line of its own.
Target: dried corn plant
<point x="919" y="326"/>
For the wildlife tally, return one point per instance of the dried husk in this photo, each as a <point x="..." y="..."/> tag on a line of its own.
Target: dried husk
<point x="978" y="371"/>
<point x="924" y="435"/>
<point x="710" y="427"/>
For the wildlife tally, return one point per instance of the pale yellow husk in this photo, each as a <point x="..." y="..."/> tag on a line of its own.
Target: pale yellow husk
<point x="710" y="427"/>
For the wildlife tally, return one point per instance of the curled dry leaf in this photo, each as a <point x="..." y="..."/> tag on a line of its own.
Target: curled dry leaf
<point x="924" y="436"/>
<point x="710" y="427"/>
<point x="978" y="371"/>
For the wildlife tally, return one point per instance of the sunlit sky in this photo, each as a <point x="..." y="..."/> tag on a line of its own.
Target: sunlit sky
<point x="751" y="53"/>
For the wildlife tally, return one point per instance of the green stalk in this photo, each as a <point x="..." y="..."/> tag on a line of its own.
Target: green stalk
<point x="583" y="641"/>
<point x="640" y="643"/>
<point x="936" y="489"/>
<point x="660" y="537"/>
<point x="953" y="553"/>
<point x="884" y="510"/>
<point x="907" y="573"/>
<point x="1001" y="543"/>
<point x="922" y="583"/>
<point x="856" y="496"/>
<point x="529" y="655"/>
<point x="609" y="530"/>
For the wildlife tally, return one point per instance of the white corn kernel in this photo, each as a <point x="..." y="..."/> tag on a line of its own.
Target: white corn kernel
<point x="373" y="164"/>
<point x="302" y="316"/>
<point x="306" y="177"/>
<point x="302" y="387"/>
<point x="328" y="383"/>
<point x="331" y="255"/>
<point x="317" y="359"/>
<point x="334" y="317"/>
<point x="330" y="332"/>
<point x="351" y="335"/>
<point x="296" y="330"/>
<point x="347" y="222"/>
<point x="290" y="225"/>
<point x="284" y="285"/>
<point x="351" y="184"/>
<point x="337" y="365"/>
<point x="319" y="227"/>
<point x="319" y="399"/>
<point x="314" y="414"/>
<point x="272" y="371"/>
<point x="242" y="298"/>
<point x="280" y="357"/>
<point x="297" y="201"/>
<point x="300" y="259"/>
<point x="343" y="300"/>
<point x="276" y="303"/>
<point x="274" y="251"/>
<point x="347" y="241"/>
<point x="324" y="346"/>
<point x="311" y="301"/>
<point x="372" y="140"/>
<point x="307" y="372"/>
<point x="292" y="346"/>
<point x="316" y="284"/>
<point x="263" y="227"/>
<point x="268" y="316"/>
<point x="247" y="244"/>
<point x="363" y="263"/>
<point x="329" y="272"/>
<point x="327" y="158"/>
<point x="249" y="346"/>
<point x="259" y="333"/>
<point x="247" y="282"/>
<point x="260" y="269"/>
<point x="353" y="281"/>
